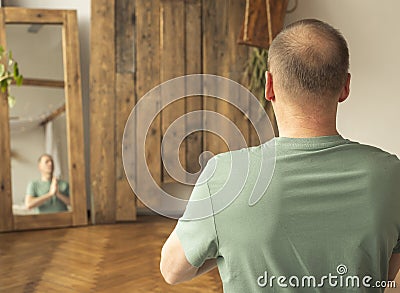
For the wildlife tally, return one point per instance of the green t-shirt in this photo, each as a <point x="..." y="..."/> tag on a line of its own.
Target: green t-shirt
<point x="38" y="188"/>
<point x="332" y="208"/>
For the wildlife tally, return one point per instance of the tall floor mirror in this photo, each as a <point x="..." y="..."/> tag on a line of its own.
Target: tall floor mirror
<point x="42" y="173"/>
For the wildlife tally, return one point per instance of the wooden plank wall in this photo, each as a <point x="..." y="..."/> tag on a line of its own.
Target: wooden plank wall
<point x="102" y="112"/>
<point x="112" y="97"/>
<point x="193" y="65"/>
<point x="172" y="48"/>
<point x="222" y="56"/>
<point x="125" y="101"/>
<point x="147" y="15"/>
<point x="155" y="41"/>
<point x="194" y="36"/>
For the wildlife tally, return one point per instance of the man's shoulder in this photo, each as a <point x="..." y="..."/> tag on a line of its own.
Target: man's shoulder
<point x="234" y="165"/>
<point x="372" y="157"/>
<point x="249" y="152"/>
<point x="32" y="187"/>
<point x="60" y="181"/>
<point x="374" y="152"/>
<point x="33" y="182"/>
<point x="63" y="185"/>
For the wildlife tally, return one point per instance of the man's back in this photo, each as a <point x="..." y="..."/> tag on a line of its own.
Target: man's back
<point x="328" y="219"/>
<point x="331" y="210"/>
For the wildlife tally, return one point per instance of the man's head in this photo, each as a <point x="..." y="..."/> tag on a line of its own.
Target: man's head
<point x="46" y="164"/>
<point x="308" y="63"/>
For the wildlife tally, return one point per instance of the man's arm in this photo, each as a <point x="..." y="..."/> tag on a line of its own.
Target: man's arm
<point x="394" y="266"/>
<point x="63" y="198"/>
<point x="174" y="266"/>
<point x="32" y="202"/>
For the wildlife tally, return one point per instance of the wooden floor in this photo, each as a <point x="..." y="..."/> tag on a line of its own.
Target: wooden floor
<point x="103" y="258"/>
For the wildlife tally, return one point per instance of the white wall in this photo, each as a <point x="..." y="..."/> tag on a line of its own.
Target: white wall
<point x="371" y="27"/>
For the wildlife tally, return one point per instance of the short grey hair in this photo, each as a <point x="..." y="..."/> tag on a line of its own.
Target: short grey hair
<point x="309" y="58"/>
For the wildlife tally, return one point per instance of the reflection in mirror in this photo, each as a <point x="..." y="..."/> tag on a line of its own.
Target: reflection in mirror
<point x="38" y="49"/>
<point x="38" y="121"/>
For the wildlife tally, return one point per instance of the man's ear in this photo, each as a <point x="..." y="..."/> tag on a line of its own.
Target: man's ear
<point x="346" y="90"/>
<point x="269" y="87"/>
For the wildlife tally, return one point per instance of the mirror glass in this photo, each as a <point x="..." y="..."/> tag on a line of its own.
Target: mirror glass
<point x="38" y="121"/>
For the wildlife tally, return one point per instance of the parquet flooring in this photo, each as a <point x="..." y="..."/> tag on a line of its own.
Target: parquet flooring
<point x="101" y="258"/>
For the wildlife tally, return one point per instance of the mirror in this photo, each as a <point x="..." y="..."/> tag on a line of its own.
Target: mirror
<point x="37" y="120"/>
<point x="46" y="119"/>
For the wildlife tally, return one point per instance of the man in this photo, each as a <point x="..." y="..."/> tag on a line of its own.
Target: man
<point x="49" y="194"/>
<point x="332" y="208"/>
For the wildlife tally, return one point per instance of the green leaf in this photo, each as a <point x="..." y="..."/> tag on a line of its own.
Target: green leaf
<point x="16" y="70"/>
<point x="19" y="80"/>
<point x="7" y="77"/>
<point x="4" y="86"/>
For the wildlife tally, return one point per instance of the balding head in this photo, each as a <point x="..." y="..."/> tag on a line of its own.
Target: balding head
<point x="309" y="58"/>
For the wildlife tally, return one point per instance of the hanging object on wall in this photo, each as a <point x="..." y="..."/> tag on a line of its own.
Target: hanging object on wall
<point x="263" y="20"/>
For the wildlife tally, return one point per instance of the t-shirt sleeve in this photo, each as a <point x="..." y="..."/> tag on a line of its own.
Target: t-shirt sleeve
<point x="65" y="188"/>
<point x="196" y="228"/>
<point x="30" y="189"/>
<point x="396" y="249"/>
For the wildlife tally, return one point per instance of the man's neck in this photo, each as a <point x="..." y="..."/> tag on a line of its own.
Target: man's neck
<point x="306" y="133"/>
<point x="300" y="126"/>
<point x="46" y="177"/>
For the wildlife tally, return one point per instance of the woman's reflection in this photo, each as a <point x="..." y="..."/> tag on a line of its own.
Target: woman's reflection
<point x="48" y="194"/>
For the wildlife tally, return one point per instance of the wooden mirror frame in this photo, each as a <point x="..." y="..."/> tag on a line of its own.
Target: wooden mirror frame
<point x="73" y="102"/>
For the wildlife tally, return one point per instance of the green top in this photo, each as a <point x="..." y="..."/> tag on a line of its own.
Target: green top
<point x="332" y="207"/>
<point x="38" y="188"/>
